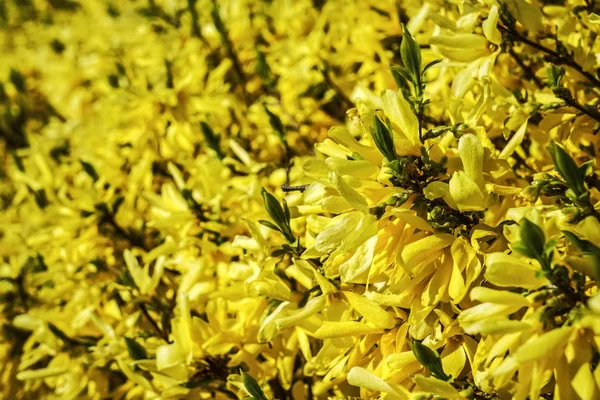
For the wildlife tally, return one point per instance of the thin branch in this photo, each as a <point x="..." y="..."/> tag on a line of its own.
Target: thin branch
<point x="590" y="112"/>
<point x="154" y="324"/>
<point x="297" y="188"/>
<point x="555" y="57"/>
<point x="526" y="69"/>
<point x="335" y="87"/>
<point x="229" y="48"/>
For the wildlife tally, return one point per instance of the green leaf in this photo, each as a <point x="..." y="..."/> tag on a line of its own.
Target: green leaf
<point x="567" y="168"/>
<point x="216" y="17"/>
<point x="40" y="197"/>
<point x="430" y="359"/>
<point x="549" y="249"/>
<point x="411" y="55"/>
<point x="212" y="139"/>
<point x="286" y="210"/>
<point x="3" y="95"/>
<point x="273" y="207"/>
<point x="532" y="241"/>
<point x="90" y="170"/>
<point x="195" y="383"/>
<point x="135" y="350"/>
<point x="262" y="67"/>
<point x="437" y="131"/>
<point x="58" y="332"/>
<point x="586" y="248"/>
<point x="582" y="245"/>
<point x="383" y="139"/>
<point x="401" y="76"/>
<point x="270" y="225"/>
<point x="18" y="162"/>
<point x="252" y="386"/>
<point x="276" y="124"/>
<point x="278" y="215"/>
<point x="584" y="170"/>
<point x="18" y="80"/>
<point x="431" y="64"/>
<point x="554" y="74"/>
<point x="67" y="339"/>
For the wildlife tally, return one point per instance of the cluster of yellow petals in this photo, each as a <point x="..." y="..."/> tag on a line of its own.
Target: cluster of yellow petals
<point x="134" y="261"/>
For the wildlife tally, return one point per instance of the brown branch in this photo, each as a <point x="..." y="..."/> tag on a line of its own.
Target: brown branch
<point x="554" y="56"/>
<point x="154" y="324"/>
<point x="526" y="69"/>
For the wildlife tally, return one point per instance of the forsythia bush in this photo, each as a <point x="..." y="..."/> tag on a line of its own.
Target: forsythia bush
<point x="299" y="199"/>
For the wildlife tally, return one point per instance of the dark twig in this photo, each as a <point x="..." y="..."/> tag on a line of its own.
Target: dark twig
<point x="229" y="48"/>
<point x="554" y="56"/>
<point x="196" y="30"/>
<point x="154" y="324"/>
<point x="570" y="101"/>
<point x="526" y="69"/>
<point x="297" y="188"/>
<point x="335" y="87"/>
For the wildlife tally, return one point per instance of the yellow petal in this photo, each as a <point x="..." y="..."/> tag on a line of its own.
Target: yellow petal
<point x="470" y="150"/>
<point x="364" y="378"/>
<point x="371" y="311"/>
<point x="354" y="198"/>
<point x="42" y="373"/>
<point x="484" y="294"/>
<point x="335" y="205"/>
<point x="326" y="286"/>
<point x="394" y="300"/>
<point x="169" y="355"/>
<point x="355" y="268"/>
<point x="437" y="387"/>
<point x="584" y="384"/>
<point x="343" y="329"/>
<point x="316" y="169"/>
<point x="436" y="190"/>
<point x="400" y="360"/>
<point x="466" y="268"/>
<point x="466" y="193"/>
<point x="537" y="347"/>
<point x="526" y="13"/>
<point x="331" y="238"/>
<point x="398" y="110"/>
<point x="510" y="271"/>
<point x="133" y="376"/>
<point x="342" y="136"/>
<point x="489" y="26"/>
<point x="496" y="326"/>
<point x="257" y="235"/>
<point x="417" y="251"/>
<point x="462" y="47"/>
<point x="359" y="169"/>
<point x="268" y="330"/>
<point x="437" y="285"/>
<point x="140" y="276"/>
<point x="453" y="359"/>
<point x="514" y="142"/>
<point x="312" y="307"/>
<point x="485" y="310"/>
<point x="503" y="190"/>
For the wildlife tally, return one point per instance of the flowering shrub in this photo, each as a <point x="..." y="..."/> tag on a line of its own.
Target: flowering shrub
<point x="307" y="199"/>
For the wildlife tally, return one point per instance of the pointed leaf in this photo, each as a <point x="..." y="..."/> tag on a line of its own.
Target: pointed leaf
<point x="383" y="139"/>
<point x="431" y="64"/>
<point x="429" y="358"/>
<point x="270" y="225"/>
<point x="252" y="386"/>
<point x="136" y="351"/>
<point x="411" y="55"/>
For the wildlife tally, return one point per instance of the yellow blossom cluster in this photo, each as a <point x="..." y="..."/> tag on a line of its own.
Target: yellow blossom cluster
<point x="281" y="199"/>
